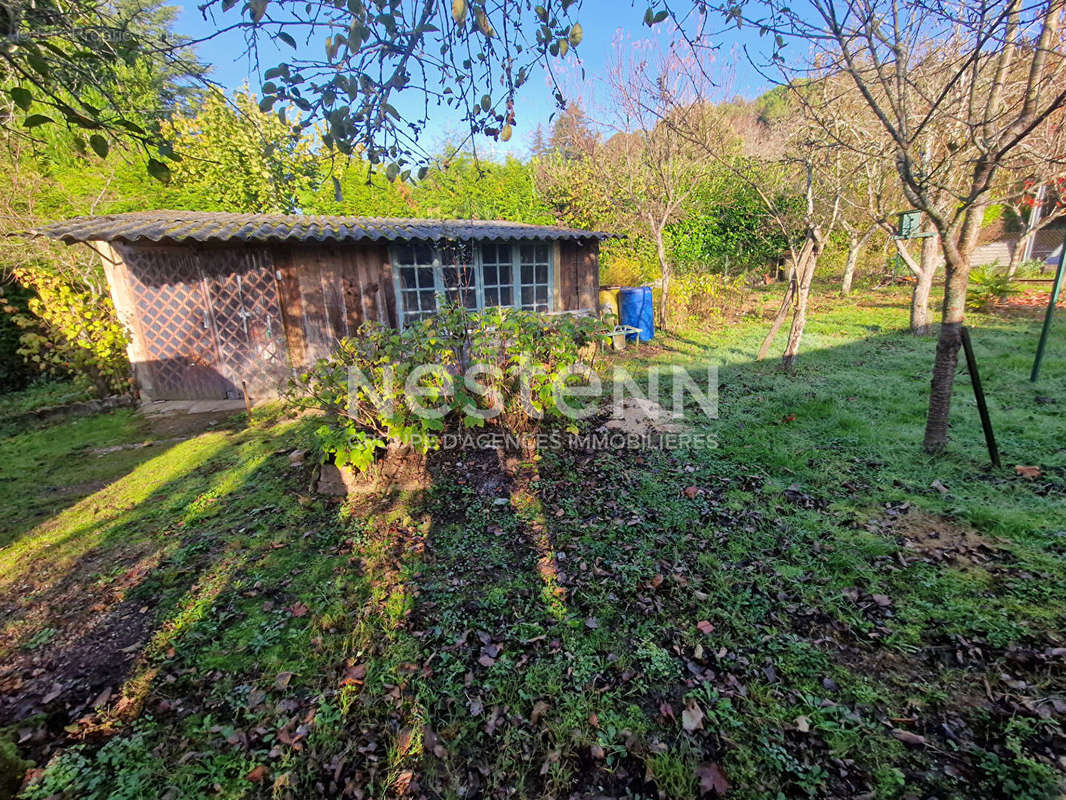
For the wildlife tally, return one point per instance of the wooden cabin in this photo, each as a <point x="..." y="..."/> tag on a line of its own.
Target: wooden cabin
<point x="214" y="301"/>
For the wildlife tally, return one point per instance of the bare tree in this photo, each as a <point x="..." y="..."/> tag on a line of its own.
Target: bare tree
<point x="957" y="88"/>
<point x="650" y="159"/>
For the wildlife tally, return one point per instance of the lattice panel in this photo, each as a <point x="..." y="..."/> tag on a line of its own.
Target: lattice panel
<point x="175" y="326"/>
<point x="247" y="318"/>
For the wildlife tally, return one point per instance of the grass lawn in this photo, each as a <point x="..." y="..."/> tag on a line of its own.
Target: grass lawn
<point x="812" y="608"/>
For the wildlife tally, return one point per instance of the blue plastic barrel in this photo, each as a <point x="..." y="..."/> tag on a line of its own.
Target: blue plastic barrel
<point x="635" y="307"/>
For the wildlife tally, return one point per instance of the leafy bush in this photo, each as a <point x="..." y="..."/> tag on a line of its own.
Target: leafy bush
<point x="387" y="387"/>
<point x="73" y="331"/>
<point x="704" y="296"/>
<point x="15" y="373"/>
<point x="989" y="285"/>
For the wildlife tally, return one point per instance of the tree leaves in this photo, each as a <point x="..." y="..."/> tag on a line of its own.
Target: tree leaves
<point x="651" y="17"/>
<point x="21" y="97"/>
<point x="99" y="145"/>
<point x="158" y="170"/>
<point x="459" y="11"/>
<point x="36" y="120"/>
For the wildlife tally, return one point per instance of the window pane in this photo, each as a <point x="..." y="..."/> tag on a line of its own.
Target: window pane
<point x="505" y="296"/>
<point x="542" y="295"/>
<point x="425" y="278"/>
<point x="527" y="296"/>
<point x="404" y="254"/>
<point x="491" y="273"/>
<point x="542" y="274"/>
<point x="527" y="273"/>
<point x="542" y="253"/>
<point x="492" y="297"/>
<point x="424" y="253"/>
<point x="459" y="254"/>
<point x="428" y="301"/>
<point x="408" y="277"/>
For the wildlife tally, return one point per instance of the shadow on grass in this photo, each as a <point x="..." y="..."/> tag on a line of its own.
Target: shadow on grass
<point x="590" y="623"/>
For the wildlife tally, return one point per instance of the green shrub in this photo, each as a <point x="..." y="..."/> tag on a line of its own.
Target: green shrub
<point x="704" y="296"/>
<point x="15" y="373"/>
<point x="989" y="285"/>
<point x="73" y="331"/>
<point x="386" y="387"/>
<point x="12" y="769"/>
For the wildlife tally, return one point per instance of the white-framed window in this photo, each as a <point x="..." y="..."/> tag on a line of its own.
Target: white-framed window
<point x="497" y="275"/>
<point x="535" y="276"/>
<point x="416" y="282"/>
<point x="480" y="275"/>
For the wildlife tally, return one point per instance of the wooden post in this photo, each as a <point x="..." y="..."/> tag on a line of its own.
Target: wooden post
<point x="979" y="394"/>
<point x="247" y="400"/>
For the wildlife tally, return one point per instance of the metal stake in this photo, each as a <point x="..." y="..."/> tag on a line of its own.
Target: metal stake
<point x="979" y="394"/>
<point x="1046" y="330"/>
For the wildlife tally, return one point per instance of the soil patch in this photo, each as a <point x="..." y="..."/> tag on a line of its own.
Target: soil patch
<point x="943" y="540"/>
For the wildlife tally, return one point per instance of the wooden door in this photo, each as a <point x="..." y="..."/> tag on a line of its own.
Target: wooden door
<point x="246" y="316"/>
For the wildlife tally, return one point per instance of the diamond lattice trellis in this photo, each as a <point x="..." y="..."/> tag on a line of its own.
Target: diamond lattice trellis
<point x="209" y="321"/>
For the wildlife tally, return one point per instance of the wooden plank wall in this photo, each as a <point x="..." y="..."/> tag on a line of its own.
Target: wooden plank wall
<point x="579" y="275"/>
<point x="327" y="292"/>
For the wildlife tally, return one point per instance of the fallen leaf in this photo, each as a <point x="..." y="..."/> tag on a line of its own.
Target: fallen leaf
<point x="486" y="661"/>
<point x="299" y="609"/>
<point x="907" y="737"/>
<point x="540" y="708"/>
<point x="692" y="717"/>
<point x="257" y="774"/>
<point x="283" y="781"/>
<point x="476" y="707"/>
<point x="657" y="581"/>
<point x="882" y="600"/>
<point x="282" y="681"/>
<point x="803" y="725"/>
<point x="403" y="740"/>
<point x="597" y="752"/>
<point x="353" y="674"/>
<point x="705" y="627"/>
<point x="592" y="623"/>
<point x="712" y="779"/>
<point x="691" y="492"/>
<point x="1028" y="472"/>
<point x="788" y="418"/>
<point x="939" y="486"/>
<point x="403" y="781"/>
<point x="666" y="710"/>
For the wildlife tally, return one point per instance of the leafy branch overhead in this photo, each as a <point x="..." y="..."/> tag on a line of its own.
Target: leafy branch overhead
<point x="374" y="73"/>
<point x="104" y="72"/>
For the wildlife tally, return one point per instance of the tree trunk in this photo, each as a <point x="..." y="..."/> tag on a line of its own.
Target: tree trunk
<point x="856" y="244"/>
<point x="921" y="319"/>
<point x="804" y="275"/>
<point x="782" y="310"/>
<point x="664" y="267"/>
<point x="1017" y="256"/>
<point x="957" y="276"/>
<point x="1023" y="249"/>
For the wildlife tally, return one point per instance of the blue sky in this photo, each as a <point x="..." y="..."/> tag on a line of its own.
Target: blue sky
<point x="604" y="23"/>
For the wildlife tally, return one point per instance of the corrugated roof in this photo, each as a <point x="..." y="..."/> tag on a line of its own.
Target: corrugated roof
<point x="217" y="226"/>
